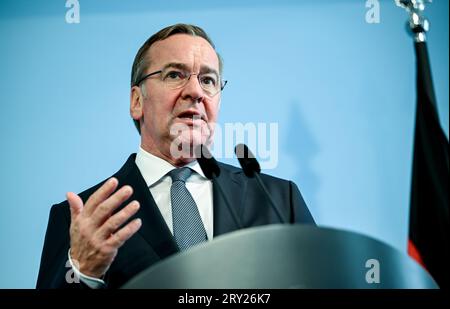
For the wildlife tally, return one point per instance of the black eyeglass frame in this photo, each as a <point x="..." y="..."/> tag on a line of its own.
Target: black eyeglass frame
<point x="223" y="84"/>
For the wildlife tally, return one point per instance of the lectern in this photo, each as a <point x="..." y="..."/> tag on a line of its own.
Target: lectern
<point x="287" y="256"/>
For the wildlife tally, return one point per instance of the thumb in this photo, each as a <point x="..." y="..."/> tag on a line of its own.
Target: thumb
<point x="75" y="203"/>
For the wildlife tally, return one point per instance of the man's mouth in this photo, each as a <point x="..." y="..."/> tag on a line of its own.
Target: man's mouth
<point x="191" y="115"/>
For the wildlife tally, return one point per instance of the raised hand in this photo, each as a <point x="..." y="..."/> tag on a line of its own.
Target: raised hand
<point x="95" y="232"/>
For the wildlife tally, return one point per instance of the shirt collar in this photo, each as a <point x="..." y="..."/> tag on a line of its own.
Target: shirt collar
<point x="154" y="168"/>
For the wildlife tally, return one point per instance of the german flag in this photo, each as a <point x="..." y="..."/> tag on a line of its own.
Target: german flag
<point x="429" y="222"/>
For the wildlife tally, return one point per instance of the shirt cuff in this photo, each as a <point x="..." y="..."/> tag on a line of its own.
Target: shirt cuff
<point x="93" y="283"/>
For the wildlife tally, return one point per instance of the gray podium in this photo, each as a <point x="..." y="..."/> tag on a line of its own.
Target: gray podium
<point x="287" y="256"/>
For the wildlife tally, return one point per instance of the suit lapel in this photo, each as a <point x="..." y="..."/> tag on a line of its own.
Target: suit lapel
<point x="154" y="229"/>
<point x="234" y="188"/>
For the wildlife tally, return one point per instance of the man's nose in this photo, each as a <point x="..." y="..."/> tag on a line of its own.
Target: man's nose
<point x="193" y="89"/>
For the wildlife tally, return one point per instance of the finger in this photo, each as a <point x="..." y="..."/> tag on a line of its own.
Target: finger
<point x="116" y="240"/>
<point x="116" y="221"/>
<point x="106" y="208"/>
<point x="100" y="195"/>
<point x="75" y="204"/>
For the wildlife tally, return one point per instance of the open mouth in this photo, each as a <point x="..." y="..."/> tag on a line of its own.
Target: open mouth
<point x="191" y="115"/>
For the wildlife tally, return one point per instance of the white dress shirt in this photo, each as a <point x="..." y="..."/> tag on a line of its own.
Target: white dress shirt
<point x="154" y="170"/>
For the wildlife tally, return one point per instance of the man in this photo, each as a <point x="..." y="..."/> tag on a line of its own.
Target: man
<point x="146" y="211"/>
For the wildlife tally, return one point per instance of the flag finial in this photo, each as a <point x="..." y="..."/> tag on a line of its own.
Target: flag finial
<point x="418" y="25"/>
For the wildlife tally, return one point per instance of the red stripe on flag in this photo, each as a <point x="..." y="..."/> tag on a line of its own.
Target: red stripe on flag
<point x="414" y="253"/>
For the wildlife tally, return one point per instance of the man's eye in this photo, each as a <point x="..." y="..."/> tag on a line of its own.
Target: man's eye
<point x="174" y="75"/>
<point x="208" y="80"/>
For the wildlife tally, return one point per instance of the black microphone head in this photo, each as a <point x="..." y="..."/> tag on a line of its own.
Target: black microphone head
<point x="207" y="162"/>
<point x="248" y="162"/>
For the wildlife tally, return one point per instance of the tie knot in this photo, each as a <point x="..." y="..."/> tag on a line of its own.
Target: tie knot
<point x="180" y="174"/>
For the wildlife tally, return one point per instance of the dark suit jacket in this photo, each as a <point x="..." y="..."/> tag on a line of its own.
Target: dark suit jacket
<point x="154" y="240"/>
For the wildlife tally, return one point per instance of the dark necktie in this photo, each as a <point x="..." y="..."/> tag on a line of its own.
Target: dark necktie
<point x="188" y="228"/>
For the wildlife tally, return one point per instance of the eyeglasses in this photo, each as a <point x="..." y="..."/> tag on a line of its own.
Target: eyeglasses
<point x="176" y="78"/>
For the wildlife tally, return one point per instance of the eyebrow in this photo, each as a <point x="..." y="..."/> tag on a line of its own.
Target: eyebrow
<point x="181" y="66"/>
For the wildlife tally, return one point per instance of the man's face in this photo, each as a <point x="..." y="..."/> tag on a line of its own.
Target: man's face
<point x="186" y="114"/>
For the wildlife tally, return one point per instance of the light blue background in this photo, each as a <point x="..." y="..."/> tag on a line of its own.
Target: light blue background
<point x="342" y="91"/>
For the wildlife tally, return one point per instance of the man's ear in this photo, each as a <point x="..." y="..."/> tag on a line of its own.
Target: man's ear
<point x="136" y="103"/>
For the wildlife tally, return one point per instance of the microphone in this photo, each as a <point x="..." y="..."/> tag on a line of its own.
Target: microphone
<point x="251" y="169"/>
<point x="211" y="170"/>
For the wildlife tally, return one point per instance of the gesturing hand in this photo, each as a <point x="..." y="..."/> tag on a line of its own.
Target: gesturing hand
<point x="96" y="234"/>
